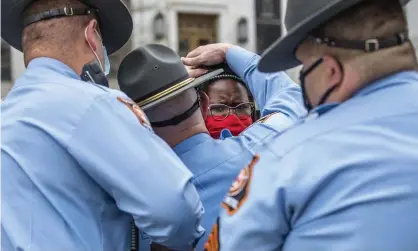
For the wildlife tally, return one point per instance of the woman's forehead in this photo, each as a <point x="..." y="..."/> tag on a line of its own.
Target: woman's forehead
<point x="227" y="85"/>
<point x="227" y="90"/>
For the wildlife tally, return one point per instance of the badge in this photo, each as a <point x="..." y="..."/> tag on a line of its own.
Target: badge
<point x="137" y="111"/>
<point x="240" y="182"/>
<point x="213" y="243"/>
<point x="238" y="192"/>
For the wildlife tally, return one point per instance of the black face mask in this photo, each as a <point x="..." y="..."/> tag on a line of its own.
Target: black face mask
<point x="324" y="97"/>
<point x="92" y="72"/>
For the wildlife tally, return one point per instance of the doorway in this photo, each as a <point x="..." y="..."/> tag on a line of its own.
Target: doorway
<point x="196" y="30"/>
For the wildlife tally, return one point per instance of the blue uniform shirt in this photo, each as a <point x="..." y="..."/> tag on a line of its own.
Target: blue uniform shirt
<point x="215" y="163"/>
<point x="77" y="164"/>
<point x="344" y="179"/>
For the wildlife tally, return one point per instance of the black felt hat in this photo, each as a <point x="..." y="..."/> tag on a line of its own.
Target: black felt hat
<point x="114" y="17"/>
<point x="154" y="73"/>
<point x="302" y="17"/>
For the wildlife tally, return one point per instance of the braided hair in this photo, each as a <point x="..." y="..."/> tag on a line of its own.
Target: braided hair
<point x="227" y="74"/>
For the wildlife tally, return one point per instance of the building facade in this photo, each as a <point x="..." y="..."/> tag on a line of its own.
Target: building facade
<point x="186" y="24"/>
<point x="180" y="24"/>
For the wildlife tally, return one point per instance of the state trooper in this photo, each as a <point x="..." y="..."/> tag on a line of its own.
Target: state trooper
<point x="177" y="113"/>
<point x="345" y="177"/>
<point x="79" y="160"/>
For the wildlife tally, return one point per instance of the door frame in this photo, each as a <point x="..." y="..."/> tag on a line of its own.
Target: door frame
<point x="193" y="38"/>
<point x="193" y="8"/>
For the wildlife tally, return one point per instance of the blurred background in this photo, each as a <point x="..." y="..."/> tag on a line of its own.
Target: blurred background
<point x="186" y="24"/>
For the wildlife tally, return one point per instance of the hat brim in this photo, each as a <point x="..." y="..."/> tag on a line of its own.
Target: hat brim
<point x="115" y="22"/>
<point x="190" y="83"/>
<point x="281" y="55"/>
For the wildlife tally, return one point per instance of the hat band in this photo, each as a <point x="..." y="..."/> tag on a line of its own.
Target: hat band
<point x="179" y="118"/>
<point x="369" y="45"/>
<point x="226" y="76"/>
<point x="165" y="92"/>
<point x="61" y="12"/>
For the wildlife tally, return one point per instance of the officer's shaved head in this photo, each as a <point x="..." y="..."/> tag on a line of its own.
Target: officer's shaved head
<point x="56" y="34"/>
<point x="365" y="20"/>
<point x="172" y="107"/>
<point x="178" y="105"/>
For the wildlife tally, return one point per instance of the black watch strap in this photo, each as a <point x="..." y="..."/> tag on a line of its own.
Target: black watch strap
<point x="178" y="119"/>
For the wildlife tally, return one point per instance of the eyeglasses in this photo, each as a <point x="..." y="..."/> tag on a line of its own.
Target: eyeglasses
<point x="242" y="111"/>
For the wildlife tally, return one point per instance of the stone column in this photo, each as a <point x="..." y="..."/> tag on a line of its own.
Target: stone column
<point x="17" y="64"/>
<point x="411" y="10"/>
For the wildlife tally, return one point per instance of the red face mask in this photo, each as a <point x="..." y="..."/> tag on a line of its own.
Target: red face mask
<point x="232" y="122"/>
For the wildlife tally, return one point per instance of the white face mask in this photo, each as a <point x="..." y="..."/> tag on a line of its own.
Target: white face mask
<point x="106" y="68"/>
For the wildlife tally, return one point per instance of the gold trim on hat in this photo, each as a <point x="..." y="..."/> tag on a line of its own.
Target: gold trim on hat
<point x="166" y="92"/>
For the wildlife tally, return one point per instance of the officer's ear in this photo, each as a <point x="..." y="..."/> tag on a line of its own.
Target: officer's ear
<point x="333" y="71"/>
<point x="204" y="104"/>
<point x="91" y="35"/>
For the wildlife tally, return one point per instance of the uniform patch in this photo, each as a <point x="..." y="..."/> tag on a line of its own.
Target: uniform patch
<point x="265" y="118"/>
<point x="260" y="121"/>
<point x="137" y="111"/>
<point x="213" y="243"/>
<point x="239" y="190"/>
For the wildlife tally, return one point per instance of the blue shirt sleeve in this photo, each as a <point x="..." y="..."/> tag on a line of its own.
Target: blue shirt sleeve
<point x="253" y="215"/>
<point x="272" y="92"/>
<point x="140" y="171"/>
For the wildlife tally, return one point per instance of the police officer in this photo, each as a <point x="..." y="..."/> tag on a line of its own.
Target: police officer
<point x="79" y="159"/>
<point x="177" y="111"/>
<point x="344" y="178"/>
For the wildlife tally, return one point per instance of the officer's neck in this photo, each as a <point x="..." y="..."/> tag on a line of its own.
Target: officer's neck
<point x="74" y="62"/>
<point x="174" y="135"/>
<point x="363" y="71"/>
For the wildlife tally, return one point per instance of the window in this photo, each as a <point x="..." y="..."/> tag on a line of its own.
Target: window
<point x="6" y="69"/>
<point x="268" y="22"/>
<point x="195" y="30"/>
<point x="267" y="8"/>
<point x="183" y="47"/>
<point x="203" y="42"/>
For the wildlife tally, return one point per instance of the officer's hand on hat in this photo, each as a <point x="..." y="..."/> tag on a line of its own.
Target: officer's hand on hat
<point x="195" y="72"/>
<point x="207" y="55"/>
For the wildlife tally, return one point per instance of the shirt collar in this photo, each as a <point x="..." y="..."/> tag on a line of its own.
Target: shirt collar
<point x="191" y="142"/>
<point x="392" y="80"/>
<point x="395" y="79"/>
<point x="319" y="110"/>
<point x="54" y="65"/>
